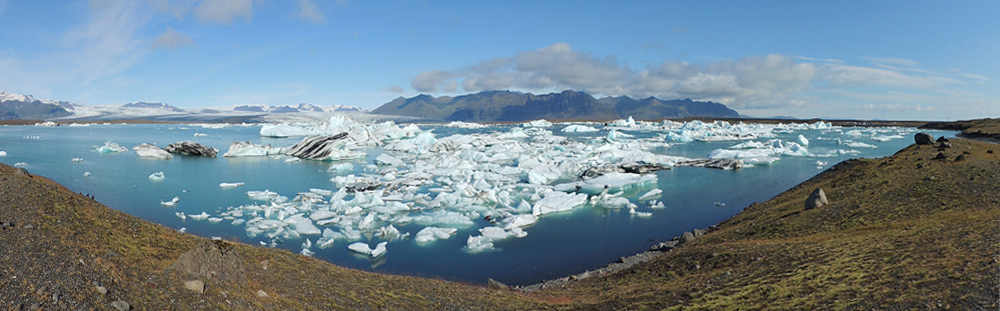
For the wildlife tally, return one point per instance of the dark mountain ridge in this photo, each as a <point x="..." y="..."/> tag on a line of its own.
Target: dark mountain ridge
<point x="499" y="106"/>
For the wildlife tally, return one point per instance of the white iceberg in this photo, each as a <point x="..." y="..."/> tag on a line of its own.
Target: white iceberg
<point x="611" y="182"/>
<point x="230" y="184"/>
<point x="360" y="248"/>
<point x="158" y="176"/>
<point x="3" y="153"/>
<point x="575" y="128"/>
<point x="281" y="131"/>
<point x="151" y="151"/>
<point x="76" y="160"/>
<point x="171" y="202"/>
<point x="110" y="147"/>
<point x="431" y="234"/>
<point x="537" y="123"/>
<point x="476" y="244"/>
<point x="557" y="201"/>
<point x="247" y="149"/>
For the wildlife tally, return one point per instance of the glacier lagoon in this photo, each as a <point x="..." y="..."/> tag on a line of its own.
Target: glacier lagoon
<point x="449" y="177"/>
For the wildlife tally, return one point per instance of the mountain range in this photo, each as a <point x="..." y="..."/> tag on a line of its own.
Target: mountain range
<point x="26" y="107"/>
<point x="500" y="106"/>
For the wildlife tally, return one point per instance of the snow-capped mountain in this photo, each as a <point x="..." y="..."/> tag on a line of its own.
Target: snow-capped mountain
<point x="17" y="106"/>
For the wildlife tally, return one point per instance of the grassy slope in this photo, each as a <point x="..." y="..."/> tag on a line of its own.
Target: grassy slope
<point x="900" y="232"/>
<point x="894" y="236"/>
<point x="128" y="255"/>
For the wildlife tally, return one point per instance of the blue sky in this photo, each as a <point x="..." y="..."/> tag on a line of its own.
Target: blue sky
<point x="834" y="59"/>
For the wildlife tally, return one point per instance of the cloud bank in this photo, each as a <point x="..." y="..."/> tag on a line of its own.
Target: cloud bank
<point x="171" y="39"/>
<point x="756" y="82"/>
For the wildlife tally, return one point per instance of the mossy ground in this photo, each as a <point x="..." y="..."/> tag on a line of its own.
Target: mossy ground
<point x="902" y="232"/>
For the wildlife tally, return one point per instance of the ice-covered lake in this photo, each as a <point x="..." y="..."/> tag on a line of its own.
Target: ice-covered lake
<point x="458" y="201"/>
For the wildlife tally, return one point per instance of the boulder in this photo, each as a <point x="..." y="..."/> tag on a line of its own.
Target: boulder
<point x="23" y="172"/>
<point x="940" y="156"/>
<point x="698" y="233"/>
<point x="211" y="260"/>
<point x="816" y="199"/>
<point x="191" y="148"/>
<point x="923" y="139"/>
<point x="494" y="284"/>
<point x="687" y="237"/>
<point x="944" y="144"/>
<point x="196" y="286"/>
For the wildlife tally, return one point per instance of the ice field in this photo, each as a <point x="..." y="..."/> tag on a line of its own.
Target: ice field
<point x="518" y="203"/>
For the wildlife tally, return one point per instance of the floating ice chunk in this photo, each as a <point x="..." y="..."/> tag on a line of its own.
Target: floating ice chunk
<point x="230" y="184"/>
<point x="265" y="195"/>
<point x="557" y="201"/>
<point x="292" y="160"/>
<point x="350" y="234"/>
<point x="200" y="134"/>
<point x="520" y="221"/>
<point x="389" y="233"/>
<point x="612" y="202"/>
<point x="47" y="123"/>
<point x="20" y="164"/>
<point x="682" y="137"/>
<point x="748" y="145"/>
<point x="465" y="125"/>
<point x="611" y="182"/>
<point x="803" y="140"/>
<point x="182" y="230"/>
<point x="443" y="218"/>
<point x="368" y="222"/>
<point x="537" y="123"/>
<point x="328" y="238"/>
<point x="171" y="202"/>
<point x="238" y="221"/>
<point x="246" y="149"/>
<point x="76" y="160"/>
<point x="201" y="216"/>
<point x="424" y="139"/>
<point x="752" y="156"/>
<point x="655" y="193"/>
<point x="360" y="248"/>
<point x="341" y="168"/>
<point x="632" y="211"/>
<point x="3" y="153"/>
<point x="307" y="252"/>
<point x="302" y="225"/>
<point x="215" y="219"/>
<point x="86" y="174"/>
<point x="281" y="131"/>
<point x="110" y="147"/>
<point x="431" y="234"/>
<point x="180" y="215"/>
<point x="821" y="163"/>
<point x="476" y="244"/>
<point x="615" y="135"/>
<point x="150" y="151"/>
<point x="158" y="176"/>
<point x="379" y="250"/>
<point x="575" y="128"/>
<point x="385" y="159"/>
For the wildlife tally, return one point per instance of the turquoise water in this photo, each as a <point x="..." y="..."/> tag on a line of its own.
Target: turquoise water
<point x="558" y="245"/>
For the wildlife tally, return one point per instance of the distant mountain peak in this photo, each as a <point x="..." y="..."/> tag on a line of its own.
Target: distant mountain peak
<point x="504" y="105"/>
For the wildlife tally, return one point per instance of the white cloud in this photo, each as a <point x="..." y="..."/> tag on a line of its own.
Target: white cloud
<point x="394" y="89"/>
<point x="892" y="61"/>
<point x="171" y="39"/>
<point x="975" y="76"/>
<point x="749" y="82"/>
<point x="310" y="12"/>
<point x="223" y="11"/>
<point x="109" y="40"/>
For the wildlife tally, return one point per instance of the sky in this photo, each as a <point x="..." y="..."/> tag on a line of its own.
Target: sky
<point x="923" y="60"/>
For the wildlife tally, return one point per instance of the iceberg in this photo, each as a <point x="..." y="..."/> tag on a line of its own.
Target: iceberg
<point x="191" y="148"/>
<point x="385" y="159"/>
<point x="302" y="225"/>
<point x="201" y="216"/>
<point x="537" y="123"/>
<point x="3" y="153"/>
<point x="158" y="176"/>
<point x="341" y="168"/>
<point x="76" y="160"/>
<point x="803" y="140"/>
<point x="171" y="202"/>
<point x="360" y="248"/>
<point x="575" y="128"/>
<point x="110" y="147"/>
<point x="431" y="234"/>
<point x="611" y="182"/>
<point x="323" y="148"/>
<point x="476" y="244"/>
<point x="230" y="184"/>
<point x="464" y="125"/>
<point x="246" y="149"/>
<point x="652" y="194"/>
<point x="379" y="250"/>
<point x="557" y="201"/>
<point x="151" y="151"/>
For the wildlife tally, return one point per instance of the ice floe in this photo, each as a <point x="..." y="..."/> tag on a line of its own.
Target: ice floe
<point x="158" y="176"/>
<point x="151" y="151"/>
<point x="170" y="203"/>
<point x="230" y="184"/>
<point x="247" y="149"/>
<point x="110" y="147"/>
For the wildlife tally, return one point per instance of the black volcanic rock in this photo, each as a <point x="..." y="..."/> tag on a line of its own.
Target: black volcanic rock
<point x="493" y="106"/>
